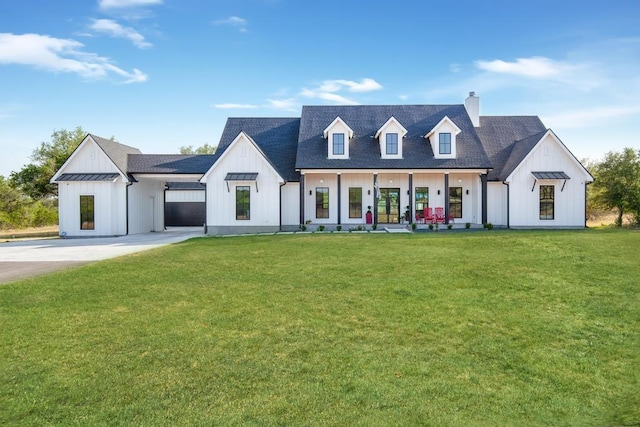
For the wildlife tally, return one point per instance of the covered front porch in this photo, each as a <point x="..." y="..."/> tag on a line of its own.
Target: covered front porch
<point x="355" y="197"/>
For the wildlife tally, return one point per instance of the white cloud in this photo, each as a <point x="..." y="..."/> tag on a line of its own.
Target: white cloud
<point x="590" y="117"/>
<point x="403" y="97"/>
<point x="534" y="67"/>
<point x="288" y="104"/>
<point x="328" y="90"/>
<point x="235" y="106"/>
<point x="113" y="29"/>
<point x="60" y="55"/>
<point x="124" y="4"/>
<point x="234" y="21"/>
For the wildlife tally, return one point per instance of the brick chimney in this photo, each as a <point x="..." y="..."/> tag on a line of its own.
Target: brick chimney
<point x="472" y="105"/>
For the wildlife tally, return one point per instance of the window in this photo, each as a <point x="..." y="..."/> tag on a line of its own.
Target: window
<point x="392" y="143"/>
<point x="322" y="202"/>
<point x="455" y="202"/>
<point x="243" y="202"/>
<point x="338" y="144"/>
<point x="422" y="199"/>
<point x="355" y="202"/>
<point x="86" y="213"/>
<point x="547" y="198"/>
<point x="445" y="143"/>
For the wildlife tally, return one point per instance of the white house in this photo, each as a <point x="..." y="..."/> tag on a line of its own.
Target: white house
<point x="330" y="167"/>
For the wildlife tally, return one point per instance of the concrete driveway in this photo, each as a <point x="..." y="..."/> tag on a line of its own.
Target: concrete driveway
<point x="28" y="258"/>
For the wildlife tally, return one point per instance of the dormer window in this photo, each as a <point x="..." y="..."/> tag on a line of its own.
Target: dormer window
<point x="338" y="144"/>
<point x="390" y="138"/>
<point x="338" y="134"/>
<point x="445" y="142"/>
<point x="443" y="139"/>
<point x="392" y="144"/>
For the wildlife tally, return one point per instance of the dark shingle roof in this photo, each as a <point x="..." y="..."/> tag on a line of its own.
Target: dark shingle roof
<point x="364" y="150"/>
<point x="170" y="163"/>
<point x="88" y="176"/>
<point x="185" y="186"/>
<point x="500" y="135"/>
<point x="276" y="137"/>
<point x="115" y="151"/>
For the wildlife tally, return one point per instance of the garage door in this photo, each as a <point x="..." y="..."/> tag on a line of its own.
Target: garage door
<point x="184" y="214"/>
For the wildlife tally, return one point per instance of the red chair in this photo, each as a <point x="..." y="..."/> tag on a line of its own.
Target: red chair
<point x="428" y="215"/>
<point x="452" y="220"/>
<point x="439" y="216"/>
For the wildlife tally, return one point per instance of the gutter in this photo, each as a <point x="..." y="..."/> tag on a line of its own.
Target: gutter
<point x="508" y="204"/>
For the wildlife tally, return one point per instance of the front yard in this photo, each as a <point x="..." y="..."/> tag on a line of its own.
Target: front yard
<point x="495" y="328"/>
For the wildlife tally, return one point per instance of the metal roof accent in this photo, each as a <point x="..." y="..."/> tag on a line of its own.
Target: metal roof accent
<point x="241" y="176"/>
<point x="88" y="176"/>
<point x="550" y="175"/>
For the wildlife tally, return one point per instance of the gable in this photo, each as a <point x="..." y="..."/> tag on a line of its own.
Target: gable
<point x="549" y="154"/>
<point x="242" y="156"/>
<point x="88" y="158"/>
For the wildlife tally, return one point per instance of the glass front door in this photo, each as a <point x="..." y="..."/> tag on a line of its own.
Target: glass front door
<point x="389" y="206"/>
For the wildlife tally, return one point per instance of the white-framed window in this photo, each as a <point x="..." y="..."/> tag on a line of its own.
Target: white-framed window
<point x="444" y="143"/>
<point x="392" y="144"/>
<point x="338" y="144"/>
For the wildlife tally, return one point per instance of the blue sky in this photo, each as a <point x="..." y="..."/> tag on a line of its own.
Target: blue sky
<point x="160" y="74"/>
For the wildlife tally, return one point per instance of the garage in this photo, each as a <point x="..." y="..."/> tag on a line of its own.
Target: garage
<point x="184" y="204"/>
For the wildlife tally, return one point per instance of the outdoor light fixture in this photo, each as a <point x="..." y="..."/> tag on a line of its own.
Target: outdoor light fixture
<point x="310" y="192"/>
<point x="390" y="181"/>
<point x="438" y="192"/>
<point x="467" y="192"/>
<point x="322" y="181"/>
<point x="368" y="192"/>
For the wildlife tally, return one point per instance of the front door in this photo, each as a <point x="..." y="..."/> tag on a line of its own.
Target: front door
<point x="389" y="206"/>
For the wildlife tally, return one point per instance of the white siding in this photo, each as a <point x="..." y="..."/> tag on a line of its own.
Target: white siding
<point x="391" y="127"/>
<point x="109" y="213"/>
<point x="497" y="203"/>
<point x="524" y="203"/>
<point x="184" y="196"/>
<point x="435" y="183"/>
<point x="338" y="127"/>
<point x="472" y="202"/>
<point x="242" y="156"/>
<point x="291" y="204"/>
<point x="146" y="206"/>
<point x="358" y="180"/>
<point x="90" y="159"/>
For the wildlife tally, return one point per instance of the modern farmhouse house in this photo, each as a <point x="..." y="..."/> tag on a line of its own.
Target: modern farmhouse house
<point x="334" y="165"/>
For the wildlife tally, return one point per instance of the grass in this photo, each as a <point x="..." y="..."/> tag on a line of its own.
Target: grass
<point x="484" y="328"/>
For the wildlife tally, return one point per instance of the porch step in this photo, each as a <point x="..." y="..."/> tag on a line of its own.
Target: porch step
<point x="396" y="230"/>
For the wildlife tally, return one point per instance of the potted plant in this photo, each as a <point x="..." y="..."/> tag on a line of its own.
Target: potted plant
<point x="369" y="215"/>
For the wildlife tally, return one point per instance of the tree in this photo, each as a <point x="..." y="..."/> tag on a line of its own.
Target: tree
<point x="33" y="179"/>
<point x="204" y="149"/>
<point x="617" y="183"/>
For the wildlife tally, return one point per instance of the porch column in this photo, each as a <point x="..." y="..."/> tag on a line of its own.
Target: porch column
<point x="483" y="179"/>
<point x="302" y="193"/>
<point x="446" y="197"/>
<point x="411" y="212"/>
<point x="339" y="198"/>
<point x="375" y="198"/>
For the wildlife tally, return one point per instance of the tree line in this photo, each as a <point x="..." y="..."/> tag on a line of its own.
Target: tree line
<point x="27" y="199"/>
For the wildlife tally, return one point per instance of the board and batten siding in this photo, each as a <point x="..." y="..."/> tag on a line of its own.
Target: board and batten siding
<point x="146" y="206"/>
<point x="90" y="159"/>
<point x="497" y="203"/>
<point x="569" y="206"/>
<point x="242" y="156"/>
<point x="176" y="196"/>
<point x="109" y="207"/>
<point x="290" y="205"/>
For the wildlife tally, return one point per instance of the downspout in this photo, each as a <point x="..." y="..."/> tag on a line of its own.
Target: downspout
<point x="206" y="210"/>
<point x="164" y="207"/>
<point x="129" y="184"/>
<point x="281" y="185"/>
<point x="508" y="213"/>
<point x="302" y="194"/>
<point x="412" y="215"/>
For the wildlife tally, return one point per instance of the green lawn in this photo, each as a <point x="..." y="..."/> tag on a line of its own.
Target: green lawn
<point x="449" y="328"/>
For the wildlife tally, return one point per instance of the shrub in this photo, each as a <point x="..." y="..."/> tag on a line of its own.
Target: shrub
<point x="321" y="228"/>
<point x="430" y="226"/>
<point x="449" y="226"/>
<point x="338" y="227"/>
<point x="414" y="225"/>
<point x="467" y="225"/>
<point x="489" y="226"/>
<point x="303" y="227"/>
<point x="360" y="228"/>
<point x="374" y="226"/>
